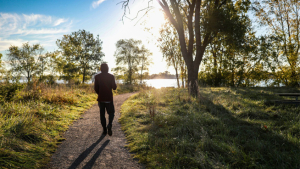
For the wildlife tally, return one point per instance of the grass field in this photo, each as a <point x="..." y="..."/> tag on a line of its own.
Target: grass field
<point x="33" y="119"/>
<point x="224" y="128"/>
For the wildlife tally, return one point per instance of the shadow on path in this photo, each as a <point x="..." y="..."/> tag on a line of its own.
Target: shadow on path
<point x="96" y="155"/>
<point x="84" y="154"/>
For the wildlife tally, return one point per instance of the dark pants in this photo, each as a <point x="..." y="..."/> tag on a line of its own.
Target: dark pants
<point x="110" y="108"/>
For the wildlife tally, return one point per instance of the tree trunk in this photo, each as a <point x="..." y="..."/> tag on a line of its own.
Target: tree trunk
<point x="129" y="75"/>
<point x="83" y="78"/>
<point x="176" y="72"/>
<point x="182" y="80"/>
<point x="142" y="72"/>
<point x="28" y="77"/>
<point x="294" y="79"/>
<point x="192" y="82"/>
<point x="232" y="77"/>
<point x="215" y="72"/>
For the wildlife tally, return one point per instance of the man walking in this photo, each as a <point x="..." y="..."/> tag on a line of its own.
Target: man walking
<point x="104" y="84"/>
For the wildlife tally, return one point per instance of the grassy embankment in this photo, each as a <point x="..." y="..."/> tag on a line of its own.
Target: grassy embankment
<point x="32" y="120"/>
<point x="225" y="128"/>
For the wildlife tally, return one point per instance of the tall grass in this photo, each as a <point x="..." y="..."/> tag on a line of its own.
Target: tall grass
<point x="224" y="128"/>
<point x="33" y="118"/>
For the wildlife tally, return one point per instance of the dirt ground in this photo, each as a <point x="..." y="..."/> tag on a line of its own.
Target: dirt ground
<point x="85" y="148"/>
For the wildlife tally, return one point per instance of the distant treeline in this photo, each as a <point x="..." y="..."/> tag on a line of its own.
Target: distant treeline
<point x="163" y="75"/>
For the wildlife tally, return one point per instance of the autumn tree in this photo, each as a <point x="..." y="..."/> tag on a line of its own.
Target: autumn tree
<point x="197" y="22"/>
<point x="24" y="60"/>
<point x="82" y="52"/>
<point x="282" y="19"/>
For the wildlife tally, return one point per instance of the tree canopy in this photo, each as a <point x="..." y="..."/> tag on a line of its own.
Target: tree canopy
<point x="129" y="55"/>
<point x="197" y="22"/>
<point x="24" y="60"/>
<point x="82" y="54"/>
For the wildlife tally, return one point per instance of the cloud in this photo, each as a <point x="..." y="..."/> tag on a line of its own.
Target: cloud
<point x="16" y="29"/>
<point x="5" y="43"/>
<point x="15" y="24"/>
<point x="59" y="21"/>
<point x="95" y="4"/>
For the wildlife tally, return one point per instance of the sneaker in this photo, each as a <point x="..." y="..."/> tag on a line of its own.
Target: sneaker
<point x="109" y="130"/>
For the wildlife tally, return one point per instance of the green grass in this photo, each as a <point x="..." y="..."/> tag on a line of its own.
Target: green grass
<point x="33" y="119"/>
<point x="126" y="88"/>
<point x="224" y="128"/>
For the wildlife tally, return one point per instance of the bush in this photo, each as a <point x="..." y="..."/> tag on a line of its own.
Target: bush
<point x="8" y="90"/>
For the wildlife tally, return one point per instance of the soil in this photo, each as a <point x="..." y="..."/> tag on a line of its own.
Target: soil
<point x="86" y="148"/>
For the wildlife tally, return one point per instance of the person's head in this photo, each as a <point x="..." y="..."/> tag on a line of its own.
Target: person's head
<point x="104" y="68"/>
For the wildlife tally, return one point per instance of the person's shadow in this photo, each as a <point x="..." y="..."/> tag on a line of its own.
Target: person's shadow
<point x="84" y="154"/>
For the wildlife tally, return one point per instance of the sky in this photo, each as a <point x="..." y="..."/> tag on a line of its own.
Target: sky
<point x="45" y="21"/>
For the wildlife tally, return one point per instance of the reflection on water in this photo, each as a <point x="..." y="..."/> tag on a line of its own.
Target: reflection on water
<point x="159" y="83"/>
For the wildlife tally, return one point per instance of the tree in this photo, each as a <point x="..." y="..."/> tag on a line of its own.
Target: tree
<point x="129" y="55"/>
<point x="282" y="18"/>
<point x="43" y="62"/>
<point x="170" y="48"/>
<point x="2" y="71"/>
<point x="145" y="61"/>
<point x="197" y="22"/>
<point x="229" y="65"/>
<point x="82" y="52"/>
<point x="24" y="60"/>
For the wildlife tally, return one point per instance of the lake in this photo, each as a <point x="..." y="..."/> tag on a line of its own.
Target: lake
<point x="159" y="83"/>
<point x="156" y="83"/>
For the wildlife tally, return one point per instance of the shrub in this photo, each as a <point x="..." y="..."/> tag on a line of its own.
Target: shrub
<point x="8" y="90"/>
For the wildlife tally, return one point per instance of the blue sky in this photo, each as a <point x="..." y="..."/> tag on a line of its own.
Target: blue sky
<point x="44" y="21"/>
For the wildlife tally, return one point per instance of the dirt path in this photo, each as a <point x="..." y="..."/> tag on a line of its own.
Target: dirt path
<point x="85" y="148"/>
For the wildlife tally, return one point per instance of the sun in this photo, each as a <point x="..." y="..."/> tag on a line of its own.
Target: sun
<point x="155" y="19"/>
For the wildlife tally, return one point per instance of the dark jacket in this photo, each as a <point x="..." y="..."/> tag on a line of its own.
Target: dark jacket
<point x="104" y="84"/>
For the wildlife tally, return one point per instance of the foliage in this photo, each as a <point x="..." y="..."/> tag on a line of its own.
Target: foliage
<point x="170" y="48"/>
<point x="47" y="65"/>
<point x="283" y="44"/>
<point x="32" y="121"/>
<point x="2" y="70"/>
<point x="129" y="55"/>
<point x="225" y="128"/>
<point x="81" y="54"/>
<point x="8" y="92"/>
<point x="198" y="22"/>
<point x="145" y="62"/>
<point x="229" y="65"/>
<point x="25" y="60"/>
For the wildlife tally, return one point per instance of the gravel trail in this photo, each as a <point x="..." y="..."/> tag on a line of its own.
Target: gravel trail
<point x="85" y="148"/>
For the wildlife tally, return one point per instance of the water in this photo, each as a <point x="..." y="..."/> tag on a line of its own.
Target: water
<point x="159" y="83"/>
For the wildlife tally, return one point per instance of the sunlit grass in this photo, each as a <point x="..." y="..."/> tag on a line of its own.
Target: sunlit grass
<point x="225" y="128"/>
<point x="32" y="122"/>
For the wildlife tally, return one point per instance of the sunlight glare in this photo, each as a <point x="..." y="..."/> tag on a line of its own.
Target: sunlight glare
<point x="155" y="19"/>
